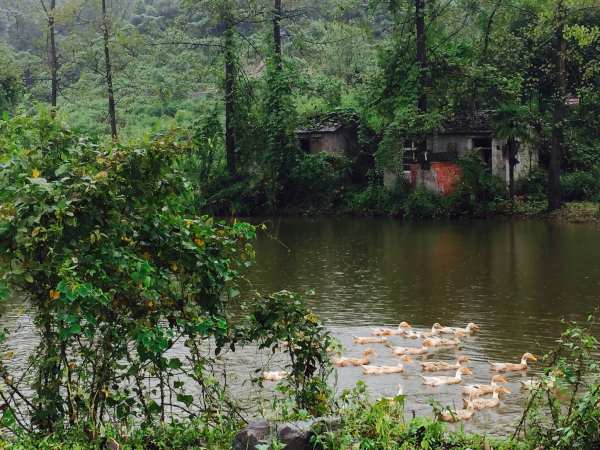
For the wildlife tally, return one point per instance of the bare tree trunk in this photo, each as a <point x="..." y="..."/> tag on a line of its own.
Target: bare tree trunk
<point x="277" y="14"/>
<point x="52" y="57"/>
<point x="230" y="106"/>
<point x="512" y="161"/>
<point x="558" y="113"/>
<point x="422" y="104"/>
<point x="112" y="110"/>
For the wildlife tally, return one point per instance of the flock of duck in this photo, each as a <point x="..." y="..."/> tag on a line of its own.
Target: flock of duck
<point x="476" y="395"/>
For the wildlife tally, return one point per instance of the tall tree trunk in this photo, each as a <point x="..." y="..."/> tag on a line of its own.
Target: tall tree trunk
<point x="423" y="83"/>
<point x="277" y="14"/>
<point x="230" y="98"/>
<point x="558" y="113"/>
<point x="112" y="110"/>
<point x="512" y="162"/>
<point x="52" y="57"/>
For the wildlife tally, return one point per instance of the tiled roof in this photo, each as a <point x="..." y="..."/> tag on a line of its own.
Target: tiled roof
<point x="469" y="122"/>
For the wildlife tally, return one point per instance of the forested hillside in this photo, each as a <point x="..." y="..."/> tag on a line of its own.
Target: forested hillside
<point x="240" y="76"/>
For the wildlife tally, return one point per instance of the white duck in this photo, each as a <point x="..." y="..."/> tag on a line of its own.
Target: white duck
<point x="369" y="340"/>
<point x="274" y="376"/>
<point x="398" y="393"/>
<point x="509" y="367"/>
<point x="440" y="342"/>
<point x="439" y="381"/>
<point x="400" y="331"/>
<point x="381" y="370"/>
<point x="478" y="390"/>
<point x="471" y="328"/>
<point x="412" y="351"/>
<point x="484" y="403"/>
<point x="345" y="361"/>
<point x="458" y="415"/>
<point x="438" y="366"/>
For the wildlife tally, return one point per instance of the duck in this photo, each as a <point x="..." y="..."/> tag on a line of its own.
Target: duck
<point x="438" y="366"/>
<point x="369" y="340"/>
<point x="534" y="383"/>
<point x="274" y="376"/>
<point x="510" y="367"/>
<point x="440" y="342"/>
<point x="403" y="351"/>
<point x="345" y="361"/>
<point x="484" y="403"/>
<point x="439" y="381"/>
<point x="398" y="394"/>
<point x="406" y="358"/>
<point x="458" y="415"/>
<point x="400" y="331"/>
<point x="409" y="334"/>
<point x="381" y="370"/>
<point x="471" y="328"/>
<point x="478" y="390"/>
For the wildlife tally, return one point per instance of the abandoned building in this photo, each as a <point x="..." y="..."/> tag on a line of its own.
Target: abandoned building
<point x="335" y="133"/>
<point x="438" y="168"/>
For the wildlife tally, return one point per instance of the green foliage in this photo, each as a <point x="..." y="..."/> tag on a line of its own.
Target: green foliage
<point x="479" y="193"/>
<point x="424" y="204"/>
<point x="317" y="181"/>
<point x="281" y="322"/>
<point x="106" y="243"/>
<point x="534" y="185"/>
<point x="581" y="186"/>
<point x="11" y="87"/>
<point x="569" y="391"/>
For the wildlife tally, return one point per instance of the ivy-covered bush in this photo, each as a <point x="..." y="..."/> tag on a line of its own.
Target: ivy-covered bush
<point x="424" y="204"/>
<point x="581" y="186"/>
<point x="479" y="193"/>
<point x="105" y="243"/>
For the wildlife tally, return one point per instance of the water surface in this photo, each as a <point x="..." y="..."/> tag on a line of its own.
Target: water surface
<point x="517" y="280"/>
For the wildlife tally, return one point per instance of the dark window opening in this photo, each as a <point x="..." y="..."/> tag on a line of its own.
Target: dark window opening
<point x="305" y="144"/>
<point x="484" y="146"/>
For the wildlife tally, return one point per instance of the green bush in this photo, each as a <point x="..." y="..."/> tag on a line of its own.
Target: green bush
<point x="424" y="204"/>
<point x="581" y="186"/>
<point x="316" y="181"/>
<point x="534" y="185"/>
<point x="479" y="193"/>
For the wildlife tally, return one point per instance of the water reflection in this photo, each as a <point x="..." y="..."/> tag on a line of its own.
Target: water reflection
<point x="516" y="279"/>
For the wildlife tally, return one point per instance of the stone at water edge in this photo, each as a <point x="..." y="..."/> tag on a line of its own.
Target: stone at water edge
<point x="111" y="444"/>
<point x="295" y="435"/>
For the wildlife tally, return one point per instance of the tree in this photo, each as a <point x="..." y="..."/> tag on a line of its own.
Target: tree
<point x="50" y="12"/>
<point x="106" y="34"/>
<point x="559" y="48"/>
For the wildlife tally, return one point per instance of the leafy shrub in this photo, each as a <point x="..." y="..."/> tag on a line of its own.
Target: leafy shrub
<point x="581" y="186"/>
<point x="424" y="204"/>
<point x="568" y="392"/>
<point x="534" y="185"/>
<point x="316" y="180"/>
<point x="376" y="199"/>
<point x="479" y="192"/>
<point x="106" y="243"/>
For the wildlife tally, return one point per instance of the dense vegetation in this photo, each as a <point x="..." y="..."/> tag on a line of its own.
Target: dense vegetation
<point x="126" y="123"/>
<point x="241" y="76"/>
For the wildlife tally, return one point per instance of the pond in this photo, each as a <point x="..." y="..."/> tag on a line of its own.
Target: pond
<point x="517" y="280"/>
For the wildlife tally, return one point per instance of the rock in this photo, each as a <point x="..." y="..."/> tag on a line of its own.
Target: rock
<point x="111" y="444"/>
<point x="255" y="433"/>
<point x="295" y="435"/>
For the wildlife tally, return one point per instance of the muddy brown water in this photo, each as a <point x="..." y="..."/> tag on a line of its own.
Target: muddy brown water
<point x="517" y="280"/>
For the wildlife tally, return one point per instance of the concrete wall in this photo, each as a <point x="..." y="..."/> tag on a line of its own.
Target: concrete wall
<point x="334" y="143"/>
